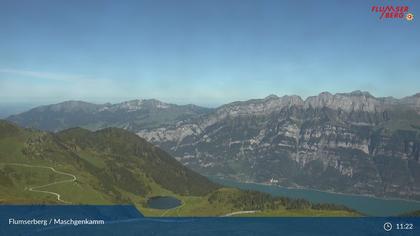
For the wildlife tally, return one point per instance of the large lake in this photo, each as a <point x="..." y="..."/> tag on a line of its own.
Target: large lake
<point x="368" y="205"/>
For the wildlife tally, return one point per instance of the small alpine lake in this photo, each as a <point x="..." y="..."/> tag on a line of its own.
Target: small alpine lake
<point x="163" y="202"/>
<point x="370" y="206"/>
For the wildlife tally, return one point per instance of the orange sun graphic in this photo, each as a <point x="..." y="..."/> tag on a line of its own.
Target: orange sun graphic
<point x="409" y="16"/>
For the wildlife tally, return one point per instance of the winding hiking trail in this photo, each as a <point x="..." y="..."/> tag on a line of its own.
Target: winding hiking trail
<point x="175" y="208"/>
<point x="34" y="188"/>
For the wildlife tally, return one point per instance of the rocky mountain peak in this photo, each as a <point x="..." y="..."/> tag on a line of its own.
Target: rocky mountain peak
<point x="156" y="103"/>
<point x="138" y="104"/>
<point x="360" y="93"/>
<point x="271" y="96"/>
<point x="69" y="106"/>
<point x="325" y="94"/>
<point x="412" y="102"/>
<point x="260" y="106"/>
<point x="354" y="101"/>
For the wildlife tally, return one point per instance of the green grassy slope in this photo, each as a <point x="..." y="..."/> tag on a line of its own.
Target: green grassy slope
<point x="114" y="166"/>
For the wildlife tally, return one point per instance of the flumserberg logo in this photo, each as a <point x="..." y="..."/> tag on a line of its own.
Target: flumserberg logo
<point x="393" y="12"/>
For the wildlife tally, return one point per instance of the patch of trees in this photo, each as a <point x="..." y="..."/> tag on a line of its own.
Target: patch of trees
<point x="253" y="200"/>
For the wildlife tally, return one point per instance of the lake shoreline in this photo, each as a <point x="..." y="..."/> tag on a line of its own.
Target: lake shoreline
<point x="365" y="204"/>
<point x="317" y="190"/>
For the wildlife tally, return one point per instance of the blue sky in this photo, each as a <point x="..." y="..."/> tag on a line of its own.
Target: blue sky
<point x="203" y="52"/>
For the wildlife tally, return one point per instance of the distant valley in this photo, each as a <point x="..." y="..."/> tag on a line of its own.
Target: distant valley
<point x="346" y="142"/>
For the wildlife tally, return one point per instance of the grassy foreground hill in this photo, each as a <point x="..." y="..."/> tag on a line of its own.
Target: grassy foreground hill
<point x="111" y="166"/>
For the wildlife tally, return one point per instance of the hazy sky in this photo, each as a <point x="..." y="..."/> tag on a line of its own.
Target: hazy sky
<point x="203" y="52"/>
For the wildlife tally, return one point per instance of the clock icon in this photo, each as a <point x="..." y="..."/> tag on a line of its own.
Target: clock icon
<point x="387" y="226"/>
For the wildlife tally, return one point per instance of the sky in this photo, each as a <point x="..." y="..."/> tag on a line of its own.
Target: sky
<point x="203" y="52"/>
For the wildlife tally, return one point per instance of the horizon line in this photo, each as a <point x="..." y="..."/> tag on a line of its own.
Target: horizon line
<point x="118" y="100"/>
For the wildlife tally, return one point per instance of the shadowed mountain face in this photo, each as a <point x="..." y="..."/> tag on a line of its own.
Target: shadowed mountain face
<point x="347" y="142"/>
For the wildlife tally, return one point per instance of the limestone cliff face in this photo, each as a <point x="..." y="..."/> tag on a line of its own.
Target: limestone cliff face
<point x="351" y="142"/>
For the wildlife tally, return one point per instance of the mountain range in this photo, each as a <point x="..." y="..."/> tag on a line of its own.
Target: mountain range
<point x="345" y="142"/>
<point x="131" y="115"/>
